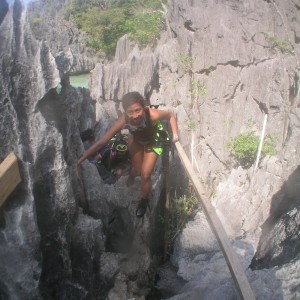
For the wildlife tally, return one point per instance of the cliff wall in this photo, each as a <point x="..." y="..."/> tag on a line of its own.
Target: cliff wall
<point x="224" y="67"/>
<point x="221" y="66"/>
<point x="64" y="233"/>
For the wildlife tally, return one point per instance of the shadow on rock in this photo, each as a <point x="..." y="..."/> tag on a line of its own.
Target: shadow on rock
<point x="280" y="239"/>
<point x="120" y="231"/>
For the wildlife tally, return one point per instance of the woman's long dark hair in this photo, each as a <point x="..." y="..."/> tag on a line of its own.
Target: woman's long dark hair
<point x="132" y="97"/>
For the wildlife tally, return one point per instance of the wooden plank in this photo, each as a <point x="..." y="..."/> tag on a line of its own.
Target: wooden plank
<point x="9" y="176"/>
<point x="233" y="262"/>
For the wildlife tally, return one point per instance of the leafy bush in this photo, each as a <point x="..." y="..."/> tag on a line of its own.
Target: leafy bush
<point x="191" y="124"/>
<point x="244" y="148"/>
<point x="104" y="27"/>
<point x="185" y="62"/>
<point x="145" y="27"/>
<point x="140" y="19"/>
<point x="198" y="88"/>
<point x="282" y="45"/>
<point x="181" y="209"/>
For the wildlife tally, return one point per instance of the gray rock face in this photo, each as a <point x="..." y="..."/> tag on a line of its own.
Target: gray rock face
<point x="49" y="247"/>
<point x="61" y="34"/>
<point x="222" y="48"/>
<point x="279" y="243"/>
<point x="3" y="10"/>
<point x="238" y="69"/>
<point x="137" y="72"/>
<point x="28" y="71"/>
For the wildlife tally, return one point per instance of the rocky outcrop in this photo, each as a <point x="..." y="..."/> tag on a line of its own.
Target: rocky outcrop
<point x="279" y="243"/>
<point x="3" y="9"/>
<point x="222" y="66"/>
<point x="241" y="69"/>
<point x="39" y="215"/>
<point x="63" y="38"/>
<point x="21" y="85"/>
<point x="131" y="71"/>
<point x="64" y="234"/>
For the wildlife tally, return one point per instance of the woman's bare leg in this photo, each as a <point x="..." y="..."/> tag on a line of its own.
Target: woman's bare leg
<point x="136" y="155"/>
<point x="148" y="164"/>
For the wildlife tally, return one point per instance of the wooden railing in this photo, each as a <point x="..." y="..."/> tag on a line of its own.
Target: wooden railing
<point x="233" y="262"/>
<point x="9" y="176"/>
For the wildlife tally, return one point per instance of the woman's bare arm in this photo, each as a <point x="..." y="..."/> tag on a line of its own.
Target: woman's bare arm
<point x="116" y="127"/>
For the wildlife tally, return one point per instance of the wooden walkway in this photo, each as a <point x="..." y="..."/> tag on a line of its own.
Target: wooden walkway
<point x="233" y="262"/>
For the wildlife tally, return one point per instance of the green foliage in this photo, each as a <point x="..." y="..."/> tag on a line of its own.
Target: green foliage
<point x="269" y="145"/>
<point x="198" y="88"/>
<point x="35" y="24"/>
<point x="244" y="148"/>
<point x="145" y="4"/>
<point x="140" y="19"/>
<point x="144" y="27"/>
<point x="185" y="62"/>
<point x="191" y="124"/>
<point x="104" y="27"/>
<point x="180" y="211"/>
<point x="283" y="46"/>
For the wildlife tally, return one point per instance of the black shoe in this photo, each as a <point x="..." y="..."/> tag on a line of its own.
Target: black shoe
<point x="142" y="207"/>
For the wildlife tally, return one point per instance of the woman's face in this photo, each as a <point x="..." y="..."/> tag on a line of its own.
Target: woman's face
<point x="135" y="113"/>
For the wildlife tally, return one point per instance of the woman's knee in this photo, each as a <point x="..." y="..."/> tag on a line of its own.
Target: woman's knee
<point x="145" y="175"/>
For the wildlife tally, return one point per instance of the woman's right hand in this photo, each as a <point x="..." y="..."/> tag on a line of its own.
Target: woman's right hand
<point x="175" y="138"/>
<point x="81" y="159"/>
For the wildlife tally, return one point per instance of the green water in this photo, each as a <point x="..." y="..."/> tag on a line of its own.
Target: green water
<point x="81" y="80"/>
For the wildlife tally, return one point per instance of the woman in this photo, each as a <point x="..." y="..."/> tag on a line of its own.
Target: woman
<point x="146" y="144"/>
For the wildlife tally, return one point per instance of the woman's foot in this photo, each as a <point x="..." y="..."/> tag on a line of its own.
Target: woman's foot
<point x="142" y="207"/>
<point x="130" y="180"/>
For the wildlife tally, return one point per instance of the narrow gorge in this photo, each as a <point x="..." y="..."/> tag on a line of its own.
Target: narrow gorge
<point x="225" y="68"/>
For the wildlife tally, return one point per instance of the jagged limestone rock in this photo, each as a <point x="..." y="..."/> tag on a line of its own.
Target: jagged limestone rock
<point x="124" y="47"/>
<point x="238" y="69"/>
<point x="196" y="239"/>
<point x="61" y="34"/>
<point x="232" y="71"/>
<point x="279" y="243"/>
<point x="3" y="10"/>
<point x="137" y="72"/>
<point x="28" y="71"/>
<point x="87" y="244"/>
